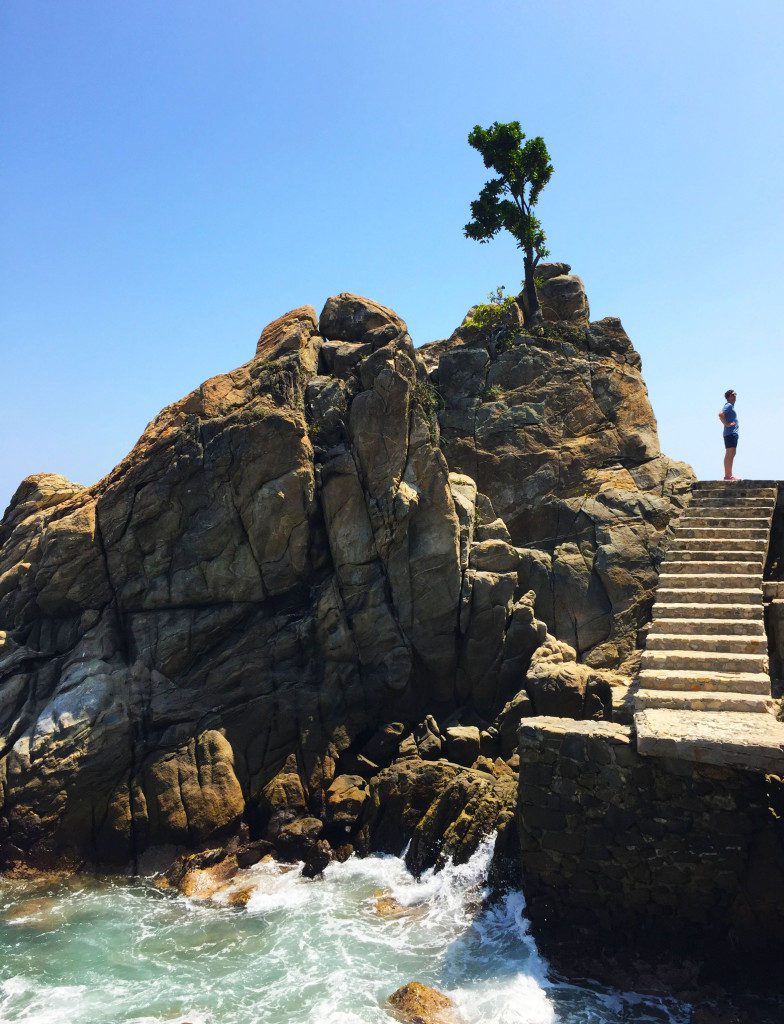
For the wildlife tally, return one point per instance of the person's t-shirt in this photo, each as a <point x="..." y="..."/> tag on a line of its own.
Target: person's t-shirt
<point x="730" y="416"/>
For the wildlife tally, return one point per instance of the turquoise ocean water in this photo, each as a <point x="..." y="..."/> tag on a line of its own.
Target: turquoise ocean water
<point x="301" y="952"/>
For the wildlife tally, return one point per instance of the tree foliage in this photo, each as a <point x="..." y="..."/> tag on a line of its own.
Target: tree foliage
<point x="507" y="201"/>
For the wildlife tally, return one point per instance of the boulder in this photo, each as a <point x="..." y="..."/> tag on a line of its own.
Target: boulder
<point x="317" y="859"/>
<point x="202" y="875"/>
<point x="545" y="271"/>
<point x="295" y="332"/>
<point x="351" y="318"/>
<point x="428" y="739"/>
<point x="283" y="799"/>
<point x="508" y="721"/>
<point x="560" y="687"/>
<point x="346" y="797"/>
<point x="438" y="809"/>
<point x="383" y="746"/>
<point x="462" y="744"/>
<point x="298" y="839"/>
<point x="562" y="297"/>
<point x="416" y="1003"/>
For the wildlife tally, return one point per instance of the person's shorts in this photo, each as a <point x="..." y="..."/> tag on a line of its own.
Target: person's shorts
<point x="730" y="440"/>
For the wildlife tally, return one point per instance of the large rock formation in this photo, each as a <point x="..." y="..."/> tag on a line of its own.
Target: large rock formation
<point x="299" y="552"/>
<point x="556" y="428"/>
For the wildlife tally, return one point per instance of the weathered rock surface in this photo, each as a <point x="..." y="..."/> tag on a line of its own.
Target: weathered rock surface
<point x="416" y="1003"/>
<point x="439" y="809"/>
<point x="291" y="569"/>
<point x="556" y="429"/>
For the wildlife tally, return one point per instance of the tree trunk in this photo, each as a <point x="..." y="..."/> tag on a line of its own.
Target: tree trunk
<point x="531" y="309"/>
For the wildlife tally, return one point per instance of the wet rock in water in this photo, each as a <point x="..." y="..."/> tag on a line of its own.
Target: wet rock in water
<point x="297" y="840"/>
<point x="386" y="905"/>
<point x="251" y="853"/>
<point x="204" y="883"/>
<point x="240" y="897"/>
<point x="441" y="809"/>
<point x="318" y="859"/>
<point x="416" y="1003"/>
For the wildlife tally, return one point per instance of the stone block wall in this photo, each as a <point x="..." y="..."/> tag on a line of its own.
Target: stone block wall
<point x="773" y="594"/>
<point x="647" y="857"/>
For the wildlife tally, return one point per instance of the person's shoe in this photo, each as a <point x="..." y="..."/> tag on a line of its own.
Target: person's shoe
<point x="736" y="478"/>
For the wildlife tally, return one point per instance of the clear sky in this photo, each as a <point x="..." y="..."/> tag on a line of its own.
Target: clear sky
<point x="176" y="174"/>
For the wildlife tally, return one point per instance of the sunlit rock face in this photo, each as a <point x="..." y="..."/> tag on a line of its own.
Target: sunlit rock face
<point x="556" y="428"/>
<point x="343" y="532"/>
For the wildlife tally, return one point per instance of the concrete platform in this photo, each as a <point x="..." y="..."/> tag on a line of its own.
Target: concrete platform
<point x="752" y="741"/>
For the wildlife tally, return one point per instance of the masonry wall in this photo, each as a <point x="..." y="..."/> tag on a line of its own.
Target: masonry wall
<point x="648" y="857"/>
<point x="773" y="592"/>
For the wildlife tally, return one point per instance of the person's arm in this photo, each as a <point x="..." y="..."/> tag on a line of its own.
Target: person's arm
<point x="725" y="421"/>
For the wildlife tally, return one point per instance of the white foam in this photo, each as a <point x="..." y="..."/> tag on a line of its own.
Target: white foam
<point x="305" y="952"/>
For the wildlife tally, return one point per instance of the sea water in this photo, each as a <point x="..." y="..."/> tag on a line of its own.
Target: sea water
<point x="301" y="952"/>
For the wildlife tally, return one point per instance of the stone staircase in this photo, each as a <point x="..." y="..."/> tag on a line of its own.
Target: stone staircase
<point x="703" y="691"/>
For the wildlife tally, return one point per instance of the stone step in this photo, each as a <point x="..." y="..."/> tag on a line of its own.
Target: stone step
<point x="698" y="680"/>
<point x="751" y="741"/>
<point x="709" y="595"/>
<point x="728" y="522"/>
<point x="767" y="488"/>
<point x="713" y="643"/>
<point x="711" y="580"/>
<point x="719" y="501"/>
<point x="728" y="568"/>
<point x="708" y="627"/>
<point x="703" y="661"/>
<point x="707" y="550"/>
<point x="718" y="700"/>
<point x="729" y="510"/>
<point x="695" y="611"/>
<point x="722" y="533"/>
<point x="755" y="485"/>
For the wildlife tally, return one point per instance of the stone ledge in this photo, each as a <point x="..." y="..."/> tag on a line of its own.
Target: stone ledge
<point x="610" y="731"/>
<point x="742" y="739"/>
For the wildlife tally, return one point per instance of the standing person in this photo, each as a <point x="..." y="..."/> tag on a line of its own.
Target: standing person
<point x="729" y="418"/>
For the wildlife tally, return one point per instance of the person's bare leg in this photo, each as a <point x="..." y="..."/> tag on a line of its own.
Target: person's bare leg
<point x="729" y="457"/>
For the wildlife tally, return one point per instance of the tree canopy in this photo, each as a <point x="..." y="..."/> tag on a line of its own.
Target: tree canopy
<point x="507" y="201"/>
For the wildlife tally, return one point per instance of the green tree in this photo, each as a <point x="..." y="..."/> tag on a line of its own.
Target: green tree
<point x="523" y="168"/>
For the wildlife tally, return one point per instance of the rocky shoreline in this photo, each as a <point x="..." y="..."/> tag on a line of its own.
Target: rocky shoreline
<point x="306" y="616"/>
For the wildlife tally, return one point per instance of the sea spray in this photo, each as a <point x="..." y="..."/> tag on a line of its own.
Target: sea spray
<point x="302" y="952"/>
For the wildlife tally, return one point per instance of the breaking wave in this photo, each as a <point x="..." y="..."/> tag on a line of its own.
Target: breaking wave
<point x="328" y="951"/>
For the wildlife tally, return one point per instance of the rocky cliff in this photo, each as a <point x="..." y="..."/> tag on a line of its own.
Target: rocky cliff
<point x="305" y="558"/>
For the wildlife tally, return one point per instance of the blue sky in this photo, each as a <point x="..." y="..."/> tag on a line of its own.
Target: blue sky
<point x="175" y="175"/>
